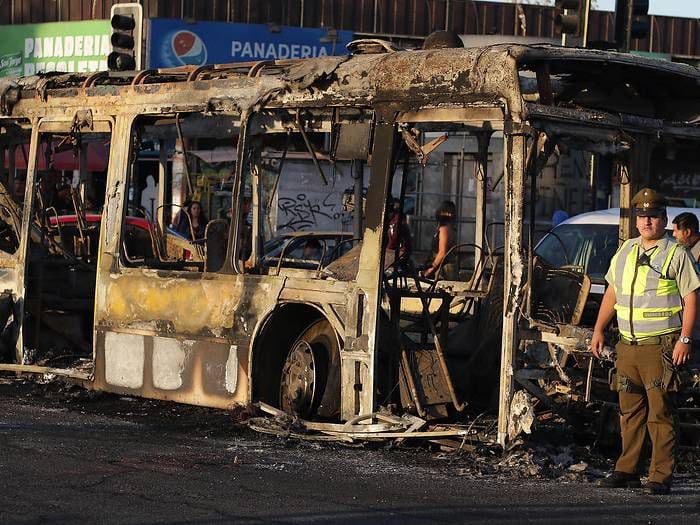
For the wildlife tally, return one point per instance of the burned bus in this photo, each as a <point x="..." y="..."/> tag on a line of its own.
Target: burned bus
<point x="295" y="292"/>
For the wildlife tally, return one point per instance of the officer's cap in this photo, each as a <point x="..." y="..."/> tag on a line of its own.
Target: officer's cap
<point x="648" y="203"/>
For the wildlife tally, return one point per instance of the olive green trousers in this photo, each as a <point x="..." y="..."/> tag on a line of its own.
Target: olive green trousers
<point x="645" y="405"/>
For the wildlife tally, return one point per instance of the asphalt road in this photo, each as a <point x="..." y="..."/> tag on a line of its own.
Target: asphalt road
<point x="82" y="458"/>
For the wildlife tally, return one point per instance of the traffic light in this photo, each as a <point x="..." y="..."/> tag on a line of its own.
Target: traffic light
<point x="573" y="20"/>
<point x="126" y="20"/>
<point x="626" y="28"/>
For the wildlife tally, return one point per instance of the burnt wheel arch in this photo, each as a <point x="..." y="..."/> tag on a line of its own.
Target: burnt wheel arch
<point x="282" y="328"/>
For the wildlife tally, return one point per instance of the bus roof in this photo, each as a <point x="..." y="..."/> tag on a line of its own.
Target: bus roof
<point x="491" y="74"/>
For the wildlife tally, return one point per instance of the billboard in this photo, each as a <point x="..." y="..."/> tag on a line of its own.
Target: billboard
<point x="28" y="49"/>
<point x="174" y="42"/>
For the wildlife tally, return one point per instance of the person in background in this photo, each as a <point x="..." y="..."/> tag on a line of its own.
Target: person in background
<point x="558" y="217"/>
<point x="398" y="234"/>
<point x="198" y="221"/>
<point x="312" y="250"/>
<point x="63" y="196"/>
<point x="687" y="233"/>
<point x="18" y="187"/>
<point x="443" y="240"/>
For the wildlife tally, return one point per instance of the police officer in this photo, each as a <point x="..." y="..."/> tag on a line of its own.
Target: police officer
<point x="652" y="288"/>
<point x="686" y="230"/>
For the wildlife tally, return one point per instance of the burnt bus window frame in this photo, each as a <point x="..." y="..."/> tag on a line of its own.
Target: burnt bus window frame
<point x="470" y="121"/>
<point x="62" y="196"/>
<point x="60" y="130"/>
<point x="11" y="207"/>
<point x="281" y="120"/>
<point x="179" y="123"/>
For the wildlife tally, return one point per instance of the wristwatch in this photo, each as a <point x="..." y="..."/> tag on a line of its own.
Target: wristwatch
<point x="685" y="340"/>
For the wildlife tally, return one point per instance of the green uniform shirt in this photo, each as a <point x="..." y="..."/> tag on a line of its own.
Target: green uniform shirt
<point x="695" y="254"/>
<point x="682" y="269"/>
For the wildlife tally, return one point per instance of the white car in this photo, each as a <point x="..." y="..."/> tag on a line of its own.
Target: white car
<point x="588" y="242"/>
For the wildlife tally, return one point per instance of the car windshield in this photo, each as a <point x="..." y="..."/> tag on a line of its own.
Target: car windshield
<point x="273" y="247"/>
<point x="587" y="247"/>
<point x="305" y="251"/>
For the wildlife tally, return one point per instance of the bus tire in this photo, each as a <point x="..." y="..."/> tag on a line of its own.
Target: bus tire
<point x="310" y="379"/>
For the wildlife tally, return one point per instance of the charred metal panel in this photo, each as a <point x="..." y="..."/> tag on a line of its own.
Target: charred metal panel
<point x="198" y="331"/>
<point x="421" y="75"/>
<point x="415" y="78"/>
<point x="8" y="276"/>
<point x="198" y="306"/>
<point x="204" y="372"/>
<point x="315" y="291"/>
<point x="487" y="76"/>
<point x="232" y="371"/>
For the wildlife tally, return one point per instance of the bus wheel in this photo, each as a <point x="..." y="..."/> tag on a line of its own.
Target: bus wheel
<point x="310" y="382"/>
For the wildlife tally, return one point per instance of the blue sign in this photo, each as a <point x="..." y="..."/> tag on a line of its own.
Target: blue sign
<point x="177" y="43"/>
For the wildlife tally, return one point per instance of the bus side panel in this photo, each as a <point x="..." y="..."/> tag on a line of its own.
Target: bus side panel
<point x="180" y="338"/>
<point x="185" y="370"/>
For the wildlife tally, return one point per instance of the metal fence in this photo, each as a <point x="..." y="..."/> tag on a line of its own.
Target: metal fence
<point x="398" y="19"/>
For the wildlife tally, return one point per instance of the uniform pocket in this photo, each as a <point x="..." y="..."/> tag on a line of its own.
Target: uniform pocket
<point x="667" y="287"/>
<point x="670" y="381"/>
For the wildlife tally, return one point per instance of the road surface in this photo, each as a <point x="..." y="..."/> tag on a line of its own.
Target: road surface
<point x="69" y="456"/>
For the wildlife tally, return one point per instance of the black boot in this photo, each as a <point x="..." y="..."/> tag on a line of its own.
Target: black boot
<point x="654" y="488"/>
<point x="620" y="480"/>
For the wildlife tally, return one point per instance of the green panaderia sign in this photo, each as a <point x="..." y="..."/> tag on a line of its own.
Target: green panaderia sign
<point x="58" y="46"/>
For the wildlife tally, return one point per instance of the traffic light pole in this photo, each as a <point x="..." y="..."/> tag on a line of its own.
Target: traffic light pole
<point x="580" y="18"/>
<point x="626" y="28"/>
<point x="586" y="16"/>
<point x="625" y="14"/>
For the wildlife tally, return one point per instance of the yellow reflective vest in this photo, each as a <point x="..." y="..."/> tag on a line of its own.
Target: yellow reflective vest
<point x="648" y="301"/>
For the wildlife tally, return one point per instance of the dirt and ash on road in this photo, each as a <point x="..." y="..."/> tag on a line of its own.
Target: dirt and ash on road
<point x="550" y="453"/>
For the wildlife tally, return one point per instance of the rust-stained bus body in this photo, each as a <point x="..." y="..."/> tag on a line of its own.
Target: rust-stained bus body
<point x="222" y="328"/>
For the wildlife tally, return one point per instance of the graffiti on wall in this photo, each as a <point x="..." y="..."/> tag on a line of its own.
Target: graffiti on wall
<point x="304" y="212"/>
<point x="303" y="203"/>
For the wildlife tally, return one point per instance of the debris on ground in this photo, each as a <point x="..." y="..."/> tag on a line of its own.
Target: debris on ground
<point x="522" y="415"/>
<point x="379" y="426"/>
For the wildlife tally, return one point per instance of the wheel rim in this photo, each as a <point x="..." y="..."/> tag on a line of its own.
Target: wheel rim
<point x="299" y="380"/>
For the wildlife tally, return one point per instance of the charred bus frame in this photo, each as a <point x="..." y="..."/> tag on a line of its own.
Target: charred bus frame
<point x="221" y="329"/>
